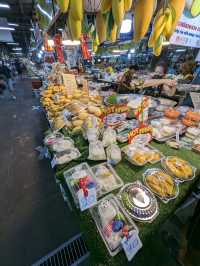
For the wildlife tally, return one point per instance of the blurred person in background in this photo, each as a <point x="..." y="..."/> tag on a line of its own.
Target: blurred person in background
<point x="6" y="76"/>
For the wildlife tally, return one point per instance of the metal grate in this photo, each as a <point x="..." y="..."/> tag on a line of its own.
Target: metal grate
<point x="71" y="253"/>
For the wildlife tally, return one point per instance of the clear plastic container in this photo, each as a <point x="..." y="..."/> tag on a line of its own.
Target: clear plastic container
<point x="72" y="177"/>
<point x="107" y="179"/>
<point x="110" y="218"/>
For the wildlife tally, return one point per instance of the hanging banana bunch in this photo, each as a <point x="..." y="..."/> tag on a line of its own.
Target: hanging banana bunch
<point x="63" y="5"/>
<point x="106" y="6"/>
<point x="118" y="11"/>
<point x="143" y="13"/>
<point x="112" y="28"/>
<point x="127" y="5"/>
<point x="75" y="17"/>
<point x="165" y="23"/>
<point x="195" y="9"/>
<point x="101" y="27"/>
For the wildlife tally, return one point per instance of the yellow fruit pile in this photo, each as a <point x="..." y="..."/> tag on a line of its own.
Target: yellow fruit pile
<point x="55" y="99"/>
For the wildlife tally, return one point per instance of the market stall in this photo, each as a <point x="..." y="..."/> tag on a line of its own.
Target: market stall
<point x="103" y="145"/>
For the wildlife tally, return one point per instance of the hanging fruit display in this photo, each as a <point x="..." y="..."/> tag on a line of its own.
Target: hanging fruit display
<point x="106" y="6"/>
<point x="118" y="11"/>
<point x="143" y="13"/>
<point x="101" y="26"/>
<point x="75" y="17"/>
<point x="63" y="5"/>
<point x="127" y="5"/>
<point x="164" y="24"/>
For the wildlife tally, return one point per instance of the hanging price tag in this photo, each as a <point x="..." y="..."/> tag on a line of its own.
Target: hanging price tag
<point x="86" y="202"/>
<point x="53" y="162"/>
<point x="131" y="245"/>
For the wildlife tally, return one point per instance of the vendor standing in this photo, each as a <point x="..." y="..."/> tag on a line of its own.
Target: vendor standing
<point x="129" y="83"/>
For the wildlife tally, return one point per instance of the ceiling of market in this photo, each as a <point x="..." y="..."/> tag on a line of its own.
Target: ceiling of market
<point x="20" y="12"/>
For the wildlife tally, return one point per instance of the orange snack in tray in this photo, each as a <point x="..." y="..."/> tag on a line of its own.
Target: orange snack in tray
<point x="172" y="113"/>
<point x="194" y="116"/>
<point x="189" y="123"/>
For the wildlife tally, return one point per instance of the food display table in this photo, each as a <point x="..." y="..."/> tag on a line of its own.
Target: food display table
<point x="153" y="249"/>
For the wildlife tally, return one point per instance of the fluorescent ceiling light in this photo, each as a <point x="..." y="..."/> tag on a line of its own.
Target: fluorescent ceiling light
<point x="60" y="29"/>
<point x="132" y="51"/>
<point x="13" y="24"/>
<point x="44" y="12"/>
<point x="4" y="5"/>
<point x="42" y="48"/>
<point x="12" y="43"/>
<point x="6" y="28"/>
<point x="39" y="55"/>
<point x="31" y="29"/>
<point x="69" y="42"/>
<point x="126" y="26"/>
<point x="180" y="50"/>
<point x="17" y="49"/>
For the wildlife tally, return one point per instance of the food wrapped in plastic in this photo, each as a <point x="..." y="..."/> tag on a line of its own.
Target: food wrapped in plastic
<point x="96" y="151"/>
<point x="179" y="168"/>
<point x="113" y="154"/>
<point x="111" y="221"/>
<point x="92" y="134"/>
<point x="162" y="184"/>
<point x="107" y="179"/>
<point x="78" y="176"/>
<point x="140" y="155"/>
<point x="67" y="156"/>
<point x="109" y="137"/>
<point x="63" y="144"/>
<point x="51" y="138"/>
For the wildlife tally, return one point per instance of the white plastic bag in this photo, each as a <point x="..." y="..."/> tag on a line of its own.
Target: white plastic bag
<point x="113" y="154"/>
<point x="109" y="137"/>
<point x="96" y="151"/>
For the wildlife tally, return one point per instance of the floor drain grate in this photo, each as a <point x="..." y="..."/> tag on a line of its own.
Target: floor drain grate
<point x="71" y="253"/>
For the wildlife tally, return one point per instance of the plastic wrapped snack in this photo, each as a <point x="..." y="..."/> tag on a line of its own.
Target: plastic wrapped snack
<point x="111" y="222"/>
<point x="92" y="134"/>
<point x="113" y="154"/>
<point x="96" y="151"/>
<point x="107" y="179"/>
<point x="63" y="144"/>
<point x="67" y="156"/>
<point x="109" y="137"/>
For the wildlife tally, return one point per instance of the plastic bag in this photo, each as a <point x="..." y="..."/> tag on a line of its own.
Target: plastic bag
<point x="114" y="155"/>
<point x="109" y="137"/>
<point x="92" y="134"/>
<point x="96" y="151"/>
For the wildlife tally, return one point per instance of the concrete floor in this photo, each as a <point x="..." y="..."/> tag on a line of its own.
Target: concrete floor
<point x="34" y="219"/>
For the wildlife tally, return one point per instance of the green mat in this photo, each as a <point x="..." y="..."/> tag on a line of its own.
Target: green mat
<point x="153" y="252"/>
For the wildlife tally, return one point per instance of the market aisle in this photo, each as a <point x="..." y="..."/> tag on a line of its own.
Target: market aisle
<point x="34" y="219"/>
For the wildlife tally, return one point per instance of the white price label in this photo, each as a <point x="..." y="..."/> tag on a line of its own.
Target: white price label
<point x="89" y="201"/>
<point x="53" y="162"/>
<point x="131" y="245"/>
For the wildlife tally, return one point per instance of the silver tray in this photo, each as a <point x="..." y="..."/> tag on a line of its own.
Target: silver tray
<point x="180" y="180"/>
<point x="141" y="205"/>
<point x="118" y="181"/>
<point x="164" y="199"/>
<point x="96" y="217"/>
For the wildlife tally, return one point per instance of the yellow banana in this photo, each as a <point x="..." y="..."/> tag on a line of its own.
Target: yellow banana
<point x="127" y="5"/>
<point x="113" y="34"/>
<point x="195" y="10"/>
<point x="158" y="46"/>
<point x="106" y="6"/>
<point x="178" y="7"/>
<point x="76" y="9"/>
<point x="63" y="4"/>
<point x="168" y="26"/>
<point x="75" y="27"/>
<point x="142" y="17"/>
<point x="158" y="27"/>
<point x="118" y="11"/>
<point x="101" y="26"/>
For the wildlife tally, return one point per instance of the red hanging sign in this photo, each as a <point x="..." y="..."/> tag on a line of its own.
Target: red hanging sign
<point x="58" y="46"/>
<point x="84" y="47"/>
